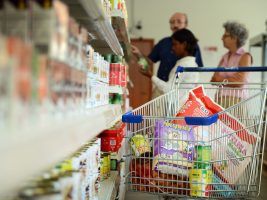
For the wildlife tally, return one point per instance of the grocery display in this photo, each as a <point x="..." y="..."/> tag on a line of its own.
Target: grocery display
<point x="55" y="97"/>
<point x="75" y="178"/>
<point x="63" y="89"/>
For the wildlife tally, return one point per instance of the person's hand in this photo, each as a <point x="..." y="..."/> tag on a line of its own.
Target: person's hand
<point x="136" y="51"/>
<point x="212" y="79"/>
<point x="216" y="77"/>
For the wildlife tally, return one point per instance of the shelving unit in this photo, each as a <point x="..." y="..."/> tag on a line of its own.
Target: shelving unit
<point x="109" y="187"/>
<point x="257" y="40"/>
<point x="28" y="151"/>
<point x="24" y="157"/>
<point x="260" y="41"/>
<point x="120" y="27"/>
<point x="115" y="89"/>
<point x="91" y="15"/>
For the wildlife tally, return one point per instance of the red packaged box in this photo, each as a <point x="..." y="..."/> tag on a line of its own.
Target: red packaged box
<point x="115" y="74"/>
<point x="110" y="144"/>
<point x="123" y="76"/>
<point x="111" y="139"/>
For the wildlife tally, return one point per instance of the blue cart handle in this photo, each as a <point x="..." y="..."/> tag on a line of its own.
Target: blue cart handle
<point x="181" y="69"/>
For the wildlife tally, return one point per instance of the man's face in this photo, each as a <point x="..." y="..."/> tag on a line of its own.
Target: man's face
<point x="177" y="22"/>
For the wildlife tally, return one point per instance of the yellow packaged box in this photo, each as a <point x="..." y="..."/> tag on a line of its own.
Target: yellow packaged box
<point x="200" y="180"/>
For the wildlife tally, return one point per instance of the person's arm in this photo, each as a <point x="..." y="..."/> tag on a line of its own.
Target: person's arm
<point x="140" y="55"/>
<point x="217" y="76"/>
<point x="245" y="61"/>
<point x="160" y="84"/>
<point x="144" y="62"/>
<point x="163" y="85"/>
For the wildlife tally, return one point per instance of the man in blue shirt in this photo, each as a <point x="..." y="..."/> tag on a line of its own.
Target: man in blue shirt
<point x="163" y="50"/>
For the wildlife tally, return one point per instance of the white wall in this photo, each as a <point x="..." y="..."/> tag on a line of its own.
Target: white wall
<point x="205" y="20"/>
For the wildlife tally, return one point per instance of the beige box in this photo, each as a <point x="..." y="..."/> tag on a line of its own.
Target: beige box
<point x="17" y="19"/>
<point x="50" y="28"/>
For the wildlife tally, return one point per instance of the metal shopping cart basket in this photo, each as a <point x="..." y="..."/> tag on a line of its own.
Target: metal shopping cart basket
<point x="184" y="145"/>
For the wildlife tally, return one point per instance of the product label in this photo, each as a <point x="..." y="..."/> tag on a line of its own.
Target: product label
<point x="199" y="182"/>
<point x="140" y="145"/>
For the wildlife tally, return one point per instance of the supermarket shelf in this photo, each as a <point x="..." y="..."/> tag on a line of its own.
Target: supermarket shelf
<point x="32" y="150"/>
<point x="90" y="14"/>
<point x="120" y="27"/>
<point x="122" y="190"/>
<point x="258" y="40"/>
<point x="115" y="89"/>
<point x="121" y="152"/>
<point x="109" y="187"/>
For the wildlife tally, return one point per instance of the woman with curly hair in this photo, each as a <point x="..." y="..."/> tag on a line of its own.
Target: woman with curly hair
<point x="234" y="39"/>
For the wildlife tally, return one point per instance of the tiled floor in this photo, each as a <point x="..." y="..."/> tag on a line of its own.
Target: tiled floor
<point x="143" y="196"/>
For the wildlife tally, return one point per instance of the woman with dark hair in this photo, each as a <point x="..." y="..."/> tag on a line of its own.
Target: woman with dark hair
<point x="184" y="45"/>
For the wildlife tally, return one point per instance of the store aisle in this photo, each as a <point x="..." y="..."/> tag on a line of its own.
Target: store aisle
<point x="142" y="196"/>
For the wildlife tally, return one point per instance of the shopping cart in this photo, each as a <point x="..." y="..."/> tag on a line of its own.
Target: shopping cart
<point x="216" y="154"/>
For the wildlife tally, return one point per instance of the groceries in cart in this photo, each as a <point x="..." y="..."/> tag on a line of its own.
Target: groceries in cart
<point x="140" y="145"/>
<point x="237" y="144"/>
<point x="193" y="160"/>
<point x="173" y="148"/>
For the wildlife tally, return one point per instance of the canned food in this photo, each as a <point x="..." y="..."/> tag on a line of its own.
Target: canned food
<point x="200" y="180"/>
<point x="113" y="164"/>
<point x="102" y="168"/>
<point x="202" y="156"/>
<point x="108" y="165"/>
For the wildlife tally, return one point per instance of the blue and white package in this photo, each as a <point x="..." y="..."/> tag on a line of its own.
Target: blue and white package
<point x="223" y="188"/>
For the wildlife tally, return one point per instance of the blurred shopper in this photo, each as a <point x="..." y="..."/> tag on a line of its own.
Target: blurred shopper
<point x="163" y="52"/>
<point x="184" y="45"/>
<point x="234" y="39"/>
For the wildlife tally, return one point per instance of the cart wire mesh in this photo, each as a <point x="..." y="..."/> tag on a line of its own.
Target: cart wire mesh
<point x="210" y="163"/>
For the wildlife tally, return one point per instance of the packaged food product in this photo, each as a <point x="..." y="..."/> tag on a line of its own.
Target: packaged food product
<point x="113" y="164"/>
<point x="115" y="74"/>
<point x="16" y="14"/>
<point x="222" y="188"/>
<point x="142" y="61"/>
<point x="193" y="107"/>
<point x="202" y="156"/>
<point x="200" y="180"/>
<point x="226" y="118"/>
<point x="233" y="144"/>
<point x="140" y="145"/>
<point x="104" y="166"/>
<point x="144" y="178"/>
<point x="111" y="139"/>
<point x="173" y="148"/>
